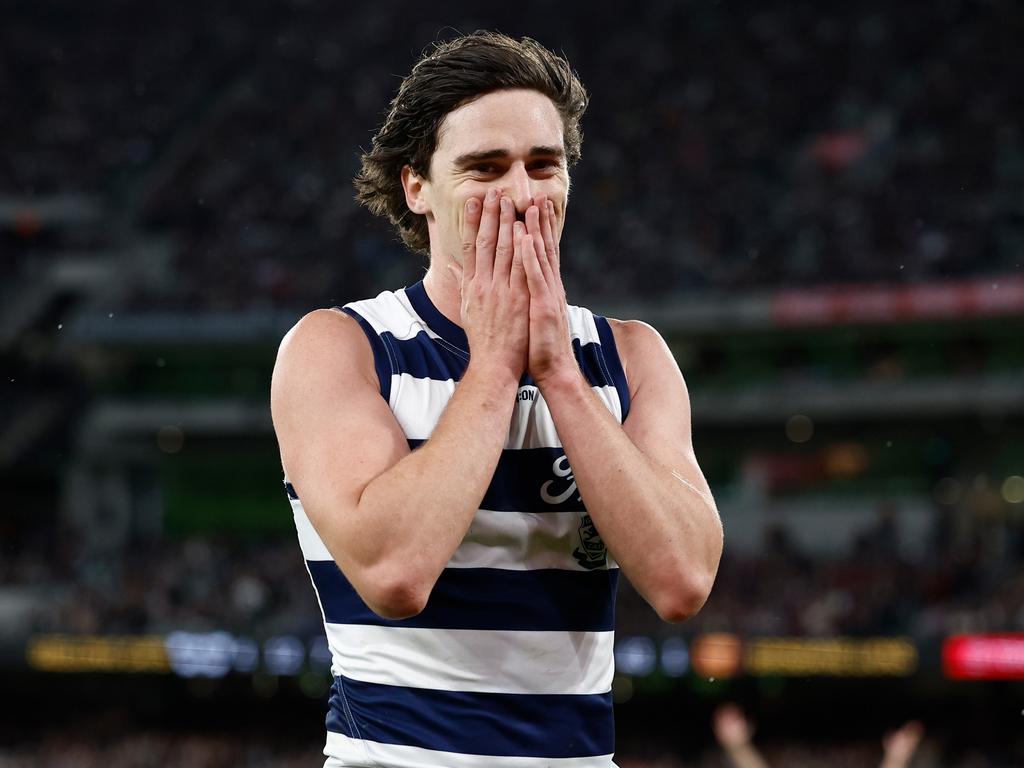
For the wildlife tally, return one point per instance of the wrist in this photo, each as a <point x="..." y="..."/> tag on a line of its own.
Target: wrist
<point x="563" y="379"/>
<point x="498" y="373"/>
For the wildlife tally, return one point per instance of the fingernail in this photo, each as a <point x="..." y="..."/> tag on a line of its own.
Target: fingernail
<point x="472" y="204"/>
<point x="506" y="204"/>
<point x="492" y="194"/>
<point x="517" y="228"/>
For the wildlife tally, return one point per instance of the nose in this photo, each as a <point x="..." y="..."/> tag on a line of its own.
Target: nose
<point x="519" y="187"/>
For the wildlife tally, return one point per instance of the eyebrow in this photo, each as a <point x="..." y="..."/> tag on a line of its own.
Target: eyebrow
<point x="493" y="154"/>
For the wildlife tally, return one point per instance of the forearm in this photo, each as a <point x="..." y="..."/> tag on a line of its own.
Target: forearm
<point x="661" y="528"/>
<point x="418" y="511"/>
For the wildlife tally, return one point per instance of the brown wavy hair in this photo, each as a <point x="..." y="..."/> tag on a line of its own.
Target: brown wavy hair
<point x="448" y="76"/>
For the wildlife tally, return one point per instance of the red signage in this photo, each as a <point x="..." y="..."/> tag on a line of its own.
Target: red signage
<point x="984" y="657"/>
<point x="1003" y="295"/>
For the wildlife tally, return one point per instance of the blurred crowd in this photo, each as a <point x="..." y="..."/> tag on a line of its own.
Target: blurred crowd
<point x="199" y="583"/>
<point x="74" y="748"/>
<point x="726" y="146"/>
<point x="733" y="732"/>
<point x="968" y="578"/>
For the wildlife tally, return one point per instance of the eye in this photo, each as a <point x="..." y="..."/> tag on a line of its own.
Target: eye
<point x="485" y="168"/>
<point x="543" y="165"/>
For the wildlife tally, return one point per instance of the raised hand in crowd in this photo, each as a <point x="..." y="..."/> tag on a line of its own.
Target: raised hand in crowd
<point x="734" y="733"/>
<point x="898" y="746"/>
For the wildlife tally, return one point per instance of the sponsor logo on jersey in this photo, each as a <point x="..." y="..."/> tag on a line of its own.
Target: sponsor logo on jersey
<point x="527" y="394"/>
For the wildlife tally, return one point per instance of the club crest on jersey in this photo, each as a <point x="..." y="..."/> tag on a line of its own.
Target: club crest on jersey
<point x="592" y="552"/>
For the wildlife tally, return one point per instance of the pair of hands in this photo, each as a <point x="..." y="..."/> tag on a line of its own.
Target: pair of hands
<point x="513" y="302"/>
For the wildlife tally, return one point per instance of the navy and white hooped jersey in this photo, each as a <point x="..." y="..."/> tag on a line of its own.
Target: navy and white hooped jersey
<point x="510" y="663"/>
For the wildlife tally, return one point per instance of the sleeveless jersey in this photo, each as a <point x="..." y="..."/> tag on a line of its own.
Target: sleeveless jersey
<point x="510" y="663"/>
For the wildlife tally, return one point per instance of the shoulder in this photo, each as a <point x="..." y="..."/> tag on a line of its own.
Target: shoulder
<point x="640" y="347"/>
<point x="324" y="341"/>
<point x="633" y="333"/>
<point x="318" y="328"/>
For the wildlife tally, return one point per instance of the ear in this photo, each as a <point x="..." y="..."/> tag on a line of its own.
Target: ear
<point x="413" y="184"/>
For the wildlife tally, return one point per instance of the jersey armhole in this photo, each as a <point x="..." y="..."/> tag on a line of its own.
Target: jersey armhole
<point x="382" y="361"/>
<point x="610" y="353"/>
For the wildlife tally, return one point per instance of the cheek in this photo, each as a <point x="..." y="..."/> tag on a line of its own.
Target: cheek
<point x="558" y="191"/>
<point x="458" y="203"/>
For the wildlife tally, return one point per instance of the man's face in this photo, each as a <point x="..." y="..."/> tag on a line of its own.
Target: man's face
<point x="509" y="139"/>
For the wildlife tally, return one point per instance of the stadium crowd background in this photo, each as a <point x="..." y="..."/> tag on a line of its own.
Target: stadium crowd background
<point x="175" y="190"/>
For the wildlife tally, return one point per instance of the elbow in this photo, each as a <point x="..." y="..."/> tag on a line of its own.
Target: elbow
<point x="394" y="596"/>
<point x="397" y="605"/>
<point x="687" y="586"/>
<point x="684" y="598"/>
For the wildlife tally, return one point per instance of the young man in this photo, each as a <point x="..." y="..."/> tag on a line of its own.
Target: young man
<point x="439" y="442"/>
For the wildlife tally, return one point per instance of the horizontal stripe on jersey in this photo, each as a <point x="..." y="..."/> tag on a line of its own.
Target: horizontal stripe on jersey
<point x="527" y="541"/>
<point x="422" y="358"/>
<point x="529" y="480"/>
<point x="518" y="541"/>
<point x="475" y="660"/>
<point x="525" y="725"/>
<point x="418" y="404"/>
<point x="550" y="600"/>
<point x="346" y="752"/>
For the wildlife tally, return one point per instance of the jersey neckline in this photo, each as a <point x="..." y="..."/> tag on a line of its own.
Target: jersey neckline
<point x="434" y="319"/>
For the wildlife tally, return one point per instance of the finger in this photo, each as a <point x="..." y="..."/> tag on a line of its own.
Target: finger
<point x="542" y="241"/>
<point x="503" y="250"/>
<point x="550" y="241"/>
<point x="534" y="232"/>
<point x="470" y="227"/>
<point x="534" y="276"/>
<point x="517" y="272"/>
<point x="487" y="236"/>
<point x="532" y="218"/>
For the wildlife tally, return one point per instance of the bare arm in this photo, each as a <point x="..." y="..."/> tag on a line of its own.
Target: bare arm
<point x="640" y="480"/>
<point x="392" y="518"/>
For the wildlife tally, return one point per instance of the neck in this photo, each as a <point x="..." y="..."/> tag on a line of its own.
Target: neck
<point x="444" y="291"/>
